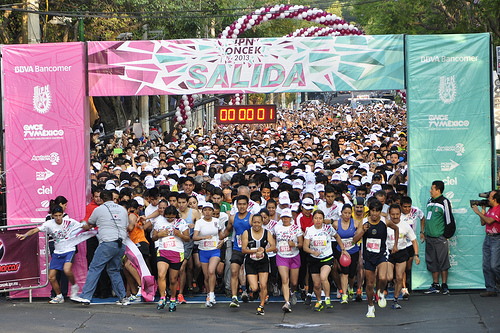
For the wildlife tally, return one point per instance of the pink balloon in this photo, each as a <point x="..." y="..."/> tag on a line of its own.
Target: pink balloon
<point x="345" y="260"/>
<point x="268" y="9"/>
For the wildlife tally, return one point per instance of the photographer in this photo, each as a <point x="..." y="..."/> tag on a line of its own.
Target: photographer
<point x="491" y="245"/>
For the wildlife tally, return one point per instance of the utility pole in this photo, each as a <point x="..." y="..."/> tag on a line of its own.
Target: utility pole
<point x="31" y="23"/>
<point x="144" y="100"/>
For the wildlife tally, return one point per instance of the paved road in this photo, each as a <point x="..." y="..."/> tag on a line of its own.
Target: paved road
<point x="462" y="311"/>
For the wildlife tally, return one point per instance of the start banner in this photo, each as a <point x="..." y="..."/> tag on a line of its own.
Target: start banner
<point x="246" y="65"/>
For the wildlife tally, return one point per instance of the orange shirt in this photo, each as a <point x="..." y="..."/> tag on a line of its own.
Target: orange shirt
<point x="137" y="234"/>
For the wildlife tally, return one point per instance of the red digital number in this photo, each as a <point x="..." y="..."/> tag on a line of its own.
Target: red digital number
<point x="240" y="112"/>
<point x="223" y="114"/>
<point x="250" y="114"/>
<point x="261" y="114"/>
<point x="231" y="114"/>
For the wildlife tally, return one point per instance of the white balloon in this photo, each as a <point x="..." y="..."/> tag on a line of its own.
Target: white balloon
<point x="254" y="17"/>
<point x="237" y="26"/>
<point x="282" y="15"/>
<point x="351" y="27"/>
<point x="223" y="37"/>
<point x="251" y="21"/>
<point x="177" y="113"/>
<point x="272" y="10"/>
<point x="236" y="32"/>
<point x="224" y="33"/>
<point x="317" y="20"/>
<point x="237" y="94"/>
<point x="234" y="36"/>
<point x="230" y="103"/>
<point x="299" y="17"/>
<point x="237" y="99"/>
<point x="188" y="113"/>
<point x="264" y="19"/>
<point x="179" y="119"/>
<point x="249" y="26"/>
<point x="240" y="20"/>
<point x="186" y="103"/>
<point x="187" y="108"/>
<point x="184" y="97"/>
<point x="237" y="103"/>
<point x="322" y="19"/>
<point x="345" y="25"/>
<point x="269" y="15"/>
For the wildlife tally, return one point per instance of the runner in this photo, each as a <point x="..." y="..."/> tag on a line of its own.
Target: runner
<point x="400" y="257"/>
<point x="350" y="232"/>
<point x="61" y="230"/>
<point x="289" y="239"/>
<point x="255" y="243"/>
<point x="241" y="221"/>
<point x="374" y="254"/>
<point x="208" y="233"/>
<point x="318" y="243"/>
<point x="171" y="232"/>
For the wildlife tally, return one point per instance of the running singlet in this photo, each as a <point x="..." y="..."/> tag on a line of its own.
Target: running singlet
<point x="208" y="228"/>
<point x="170" y="242"/>
<point x="285" y="234"/>
<point x="239" y="227"/>
<point x="347" y="237"/>
<point x="254" y="244"/>
<point x="374" y="240"/>
<point x="321" y="240"/>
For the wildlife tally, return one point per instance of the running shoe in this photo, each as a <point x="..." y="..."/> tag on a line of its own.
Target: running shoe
<point x="293" y="298"/>
<point x="405" y="293"/>
<point x="228" y="293"/>
<point x="434" y="289"/>
<point x="276" y="291"/>
<point x="328" y="303"/>
<point x="359" y="295"/>
<point x="267" y="300"/>
<point x="244" y="296"/>
<point x="260" y="311"/>
<point x="59" y="299"/>
<point x="212" y="299"/>
<point x="350" y="292"/>
<point x="381" y="300"/>
<point x="161" y="304"/>
<point x="318" y="307"/>
<point x="79" y="299"/>
<point x="308" y="299"/>
<point x="180" y="299"/>
<point x="123" y="301"/>
<point x="132" y="298"/>
<point x="172" y="307"/>
<point x="74" y="290"/>
<point x="371" y="311"/>
<point x="287" y="307"/>
<point x="303" y="294"/>
<point x="195" y="288"/>
<point x="444" y="289"/>
<point x="208" y="304"/>
<point x="395" y="305"/>
<point x="339" y="293"/>
<point x="345" y="299"/>
<point x="251" y="297"/>
<point x="234" y="303"/>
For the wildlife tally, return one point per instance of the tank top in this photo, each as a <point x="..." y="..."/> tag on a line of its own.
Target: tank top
<point x="374" y="240"/>
<point x="347" y="236"/>
<point x="255" y="244"/>
<point x="189" y="220"/>
<point x="239" y="227"/>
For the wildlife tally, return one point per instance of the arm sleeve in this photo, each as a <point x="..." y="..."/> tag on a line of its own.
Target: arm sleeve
<point x="448" y="215"/>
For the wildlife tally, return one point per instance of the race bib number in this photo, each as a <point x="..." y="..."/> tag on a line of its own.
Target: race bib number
<point x="284" y="248"/>
<point x="238" y="240"/>
<point x="347" y="243"/>
<point x="373" y="245"/>
<point x="209" y="243"/>
<point x="168" y="242"/>
<point x="319" y="242"/>
<point x="255" y="256"/>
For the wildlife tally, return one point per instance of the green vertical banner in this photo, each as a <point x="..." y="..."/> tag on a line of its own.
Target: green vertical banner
<point x="449" y="127"/>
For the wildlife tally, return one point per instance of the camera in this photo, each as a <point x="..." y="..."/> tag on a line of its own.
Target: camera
<point x="484" y="203"/>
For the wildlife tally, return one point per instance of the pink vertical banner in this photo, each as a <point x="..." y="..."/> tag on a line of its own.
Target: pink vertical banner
<point x="47" y="133"/>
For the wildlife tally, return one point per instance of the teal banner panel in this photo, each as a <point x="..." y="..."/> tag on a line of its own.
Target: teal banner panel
<point x="449" y="128"/>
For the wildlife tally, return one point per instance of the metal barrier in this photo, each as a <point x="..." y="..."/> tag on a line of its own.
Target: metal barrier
<point x="30" y="288"/>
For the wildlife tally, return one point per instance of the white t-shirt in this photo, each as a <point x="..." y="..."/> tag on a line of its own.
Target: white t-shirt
<point x="321" y="240"/>
<point x="406" y="235"/>
<point x="170" y="242"/>
<point x="270" y="227"/>
<point x="61" y="233"/>
<point x="285" y="234"/>
<point x="413" y="218"/>
<point x="253" y="208"/>
<point x="206" y="228"/>
<point x="332" y="213"/>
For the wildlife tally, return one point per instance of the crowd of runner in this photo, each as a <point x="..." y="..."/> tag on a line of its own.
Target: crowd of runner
<point x="318" y="199"/>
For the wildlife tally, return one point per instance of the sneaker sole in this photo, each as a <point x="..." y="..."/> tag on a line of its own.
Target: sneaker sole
<point x="234" y="305"/>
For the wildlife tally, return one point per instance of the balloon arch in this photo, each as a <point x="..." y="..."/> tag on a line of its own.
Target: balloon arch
<point x="333" y="26"/>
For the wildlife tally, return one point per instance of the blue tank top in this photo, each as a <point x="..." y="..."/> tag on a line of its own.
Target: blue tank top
<point x="347" y="235"/>
<point x="189" y="220"/>
<point x="239" y="227"/>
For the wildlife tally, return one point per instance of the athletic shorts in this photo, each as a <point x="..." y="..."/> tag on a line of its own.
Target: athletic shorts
<point x="59" y="259"/>
<point x="254" y="267"/>
<point x="205" y="255"/>
<point x="223" y="252"/>
<point x="372" y="263"/>
<point x="437" y="254"/>
<point x="143" y="248"/>
<point x="273" y="268"/>
<point x="315" y="264"/>
<point x="352" y="269"/>
<point x="399" y="257"/>
<point x="188" y="249"/>
<point x="237" y="257"/>
<point x="174" y="259"/>
<point x="196" y="249"/>
<point x="291" y="263"/>
<point x="411" y="251"/>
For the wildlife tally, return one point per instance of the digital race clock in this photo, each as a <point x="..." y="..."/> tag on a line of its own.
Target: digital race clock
<point x="245" y="114"/>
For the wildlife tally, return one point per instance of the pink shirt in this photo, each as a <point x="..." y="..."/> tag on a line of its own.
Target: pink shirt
<point x="493" y="228"/>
